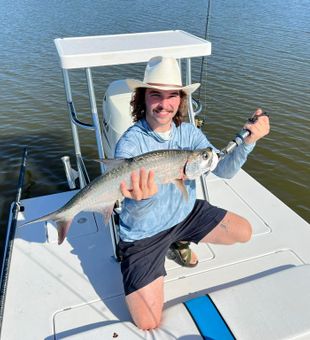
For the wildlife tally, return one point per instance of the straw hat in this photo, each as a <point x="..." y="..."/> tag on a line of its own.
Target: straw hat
<point x="162" y="73"/>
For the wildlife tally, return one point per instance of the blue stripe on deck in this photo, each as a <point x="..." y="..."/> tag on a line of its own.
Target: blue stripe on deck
<point x="208" y="319"/>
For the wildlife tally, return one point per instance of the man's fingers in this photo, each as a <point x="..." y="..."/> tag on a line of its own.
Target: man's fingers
<point x="143" y="180"/>
<point x="258" y="112"/>
<point x="135" y="181"/>
<point x="151" y="178"/>
<point x="142" y="183"/>
<point x="259" y="127"/>
<point x="136" y="190"/>
<point x="125" y="192"/>
<point x="151" y="183"/>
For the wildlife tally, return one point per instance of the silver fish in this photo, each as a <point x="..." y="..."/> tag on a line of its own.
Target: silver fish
<point x="101" y="194"/>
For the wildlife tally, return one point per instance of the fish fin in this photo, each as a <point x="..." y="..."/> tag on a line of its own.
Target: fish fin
<point x="62" y="228"/>
<point x="107" y="212"/>
<point x="110" y="163"/>
<point x="180" y="185"/>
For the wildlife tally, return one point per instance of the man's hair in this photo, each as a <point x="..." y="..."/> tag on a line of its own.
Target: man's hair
<point x="139" y="108"/>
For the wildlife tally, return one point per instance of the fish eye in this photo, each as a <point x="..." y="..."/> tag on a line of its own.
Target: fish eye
<point x="205" y="155"/>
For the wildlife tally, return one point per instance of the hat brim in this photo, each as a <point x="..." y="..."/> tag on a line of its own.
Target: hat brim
<point x="133" y="84"/>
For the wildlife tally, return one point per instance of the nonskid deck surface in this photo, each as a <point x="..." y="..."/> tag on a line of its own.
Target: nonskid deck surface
<point x="75" y="289"/>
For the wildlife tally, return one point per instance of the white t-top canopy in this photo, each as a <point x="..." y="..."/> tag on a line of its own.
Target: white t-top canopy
<point x="102" y="50"/>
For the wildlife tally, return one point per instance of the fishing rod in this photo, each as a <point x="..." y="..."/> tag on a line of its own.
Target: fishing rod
<point x="239" y="138"/>
<point x="10" y="234"/>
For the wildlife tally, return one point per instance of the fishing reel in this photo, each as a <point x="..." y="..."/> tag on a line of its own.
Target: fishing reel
<point x="239" y="138"/>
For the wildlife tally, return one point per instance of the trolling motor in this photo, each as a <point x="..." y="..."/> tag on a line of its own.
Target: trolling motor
<point x="240" y="137"/>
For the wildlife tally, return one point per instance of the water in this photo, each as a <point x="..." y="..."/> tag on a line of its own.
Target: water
<point x="260" y="57"/>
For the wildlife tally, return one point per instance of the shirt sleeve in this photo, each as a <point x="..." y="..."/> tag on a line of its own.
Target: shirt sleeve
<point x="231" y="164"/>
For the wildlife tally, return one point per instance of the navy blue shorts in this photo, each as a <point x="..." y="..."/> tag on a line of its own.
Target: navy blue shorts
<point x="143" y="261"/>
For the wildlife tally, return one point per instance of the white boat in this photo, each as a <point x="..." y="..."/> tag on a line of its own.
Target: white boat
<point x="256" y="290"/>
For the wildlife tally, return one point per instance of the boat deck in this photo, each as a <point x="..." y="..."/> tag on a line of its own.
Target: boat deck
<point x="75" y="290"/>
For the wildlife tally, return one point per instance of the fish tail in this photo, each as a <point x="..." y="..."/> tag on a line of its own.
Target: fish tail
<point x="63" y="224"/>
<point x="52" y="216"/>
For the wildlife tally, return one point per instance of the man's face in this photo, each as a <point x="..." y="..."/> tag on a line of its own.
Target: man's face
<point x="161" y="107"/>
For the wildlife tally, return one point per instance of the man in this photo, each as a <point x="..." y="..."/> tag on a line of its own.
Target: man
<point x="153" y="217"/>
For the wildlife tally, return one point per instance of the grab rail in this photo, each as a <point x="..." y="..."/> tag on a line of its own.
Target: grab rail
<point x="75" y="123"/>
<point x="75" y="119"/>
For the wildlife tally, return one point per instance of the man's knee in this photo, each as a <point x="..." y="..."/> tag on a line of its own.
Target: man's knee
<point x="146" y="325"/>
<point x="232" y="229"/>
<point x="147" y="320"/>
<point x="146" y="304"/>
<point x="246" y="232"/>
<point x="239" y="228"/>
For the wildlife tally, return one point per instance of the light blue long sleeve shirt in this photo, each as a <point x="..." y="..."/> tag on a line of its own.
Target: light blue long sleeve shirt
<point x="145" y="218"/>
